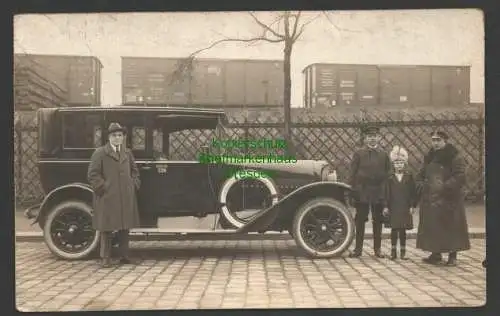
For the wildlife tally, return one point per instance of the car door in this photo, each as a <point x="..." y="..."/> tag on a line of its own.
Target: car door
<point x="175" y="184"/>
<point x="150" y="161"/>
<point x="139" y="141"/>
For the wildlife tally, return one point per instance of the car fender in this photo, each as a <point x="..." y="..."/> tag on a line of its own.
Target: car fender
<point x="81" y="190"/>
<point x="289" y="204"/>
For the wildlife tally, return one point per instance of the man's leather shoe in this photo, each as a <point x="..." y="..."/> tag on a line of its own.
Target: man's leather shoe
<point x="106" y="263"/>
<point x="394" y="254"/>
<point x="432" y="259"/>
<point x="451" y="262"/>
<point x="379" y="254"/>
<point x="355" y="254"/>
<point x="127" y="261"/>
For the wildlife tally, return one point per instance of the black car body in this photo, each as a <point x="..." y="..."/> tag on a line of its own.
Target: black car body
<point x="285" y="197"/>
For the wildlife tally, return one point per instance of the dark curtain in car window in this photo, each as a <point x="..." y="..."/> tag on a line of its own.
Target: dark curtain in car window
<point x="138" y="138"/>
<point x="158" y="149"/>
<point x="81" y="131"/>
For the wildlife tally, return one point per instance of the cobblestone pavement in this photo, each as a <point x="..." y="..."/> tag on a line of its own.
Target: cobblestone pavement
<point x="244" y="274"/>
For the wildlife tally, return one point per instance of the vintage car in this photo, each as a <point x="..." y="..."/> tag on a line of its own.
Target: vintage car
<point x="300" y="197"/>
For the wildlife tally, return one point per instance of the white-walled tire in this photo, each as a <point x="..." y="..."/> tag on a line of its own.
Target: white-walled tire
<point x="335" y="229"/>
<point x="227" y="218"/>
<point x="68" y="231"/>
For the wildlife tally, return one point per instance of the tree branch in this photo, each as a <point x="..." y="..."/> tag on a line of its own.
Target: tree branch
<point x="189" y="59"/>
<point x="266" y="27"/>
<point x="302" y="28"/>
<point x="82" y="34"/>
<point x="335" y="26"/>
<point x="278" y="19"/>
<point x="286" y="20"/>
<point x="244" y="40"/>
<point x="297" y="17"/>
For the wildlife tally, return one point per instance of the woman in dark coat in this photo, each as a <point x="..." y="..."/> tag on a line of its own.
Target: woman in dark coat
<point x="443" y="223"/>
<point x="401" y="201"/>
<point x="114" y="177"/>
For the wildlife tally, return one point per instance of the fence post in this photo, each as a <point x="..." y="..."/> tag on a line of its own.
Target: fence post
<point x="19" y="166"/>
<point x="482" y="191"/>
<point x="246" y="135"/>
<point x="364" y="120"/>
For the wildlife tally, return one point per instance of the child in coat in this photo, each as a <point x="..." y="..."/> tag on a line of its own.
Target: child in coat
<point x="401" y="197"/>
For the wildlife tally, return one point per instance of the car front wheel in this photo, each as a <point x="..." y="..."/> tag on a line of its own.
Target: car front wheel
<point x="323" y="228"/>
<point x="68" y="231"/>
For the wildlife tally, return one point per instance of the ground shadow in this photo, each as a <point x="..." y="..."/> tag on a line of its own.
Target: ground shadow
<point x="210" y="252"/>
<point x="169" y="252"/>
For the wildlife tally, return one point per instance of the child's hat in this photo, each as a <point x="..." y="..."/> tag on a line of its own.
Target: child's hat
<point x="399" y="154"/>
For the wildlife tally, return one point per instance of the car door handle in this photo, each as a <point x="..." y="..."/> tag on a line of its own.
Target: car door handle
<point x="146" y="167"/>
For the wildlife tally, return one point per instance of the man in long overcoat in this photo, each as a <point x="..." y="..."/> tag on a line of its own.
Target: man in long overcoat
<point x="443" y="224"/>
<point x="114" y="177"/>
<point x="369" y="171"/>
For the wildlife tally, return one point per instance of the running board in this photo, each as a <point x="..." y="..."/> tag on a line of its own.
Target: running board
<point x="180" y="231"/>
<point x="150" y="234"/>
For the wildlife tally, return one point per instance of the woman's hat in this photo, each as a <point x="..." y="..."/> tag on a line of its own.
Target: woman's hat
<point x="116" y="127"/>
<point x="399" y="154"/>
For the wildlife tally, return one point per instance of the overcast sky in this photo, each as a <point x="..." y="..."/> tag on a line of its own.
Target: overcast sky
<point x="437" y="37"/>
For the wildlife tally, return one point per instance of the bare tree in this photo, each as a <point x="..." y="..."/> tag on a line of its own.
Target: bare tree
<point x="293" y="28"/>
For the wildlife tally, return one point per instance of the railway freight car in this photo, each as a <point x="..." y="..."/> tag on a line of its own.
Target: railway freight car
<point x="202" y="82"/>
<point x="329" y="85"/>
<point x="32" y="91"/>
<point x="80" y="76"/>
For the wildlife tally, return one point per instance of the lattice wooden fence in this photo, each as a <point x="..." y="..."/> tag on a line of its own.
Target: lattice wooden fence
<point x="313" y="138"/>
<point x="337" y="141"/>
<point x="27" y="180"/>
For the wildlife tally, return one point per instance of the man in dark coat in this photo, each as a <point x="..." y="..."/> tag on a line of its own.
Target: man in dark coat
<point x="114" y="177"/>
<point x="369" y="171"/>
<point x="443" y="224"/>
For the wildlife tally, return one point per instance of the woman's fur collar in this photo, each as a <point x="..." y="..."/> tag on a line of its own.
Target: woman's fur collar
<point x="443" y="156"/>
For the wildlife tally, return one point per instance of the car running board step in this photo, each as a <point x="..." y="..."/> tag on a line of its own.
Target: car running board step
<point x="160" y="234"/>
<point x="187" y="231"/>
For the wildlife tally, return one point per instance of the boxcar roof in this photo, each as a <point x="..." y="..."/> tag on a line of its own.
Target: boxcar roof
<point x="150" y="109"/>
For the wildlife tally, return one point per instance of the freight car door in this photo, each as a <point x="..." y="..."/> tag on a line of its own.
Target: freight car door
<point x="368" y="85"/>
<point x="440" y="86"/>
<point x="395" y="85"/>
<point x="235" y="82"/>
<point x="81" y="82"/>
<point x="347" y="87"/>
<point x="420" y="80"/>
<point x="460" y="86"/>
<point x="256" y="83"/>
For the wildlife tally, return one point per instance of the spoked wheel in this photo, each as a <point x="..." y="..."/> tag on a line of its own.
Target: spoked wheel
<point x="242" y="199"/>
<point x="323" y="228"/>
<point x="68" y="231"/>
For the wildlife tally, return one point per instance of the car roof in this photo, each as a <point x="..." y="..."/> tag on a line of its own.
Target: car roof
<point x="151" y="109"/>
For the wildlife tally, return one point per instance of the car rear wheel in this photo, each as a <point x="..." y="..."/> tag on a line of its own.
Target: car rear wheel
<point x="323" y="228"/>
<point x="68" y="231"/>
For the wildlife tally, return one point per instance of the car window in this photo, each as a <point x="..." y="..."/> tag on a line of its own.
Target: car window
<point x="136" y="130"/>
<point x="97" y="136"/>
<point x="138" y="141"/>
<point x="81" y="131"/>
<point x="158" y="150"/>
<point x="188" y="144"/>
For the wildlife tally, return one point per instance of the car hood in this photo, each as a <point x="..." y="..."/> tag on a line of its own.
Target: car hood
<point x="304" y="167"/>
